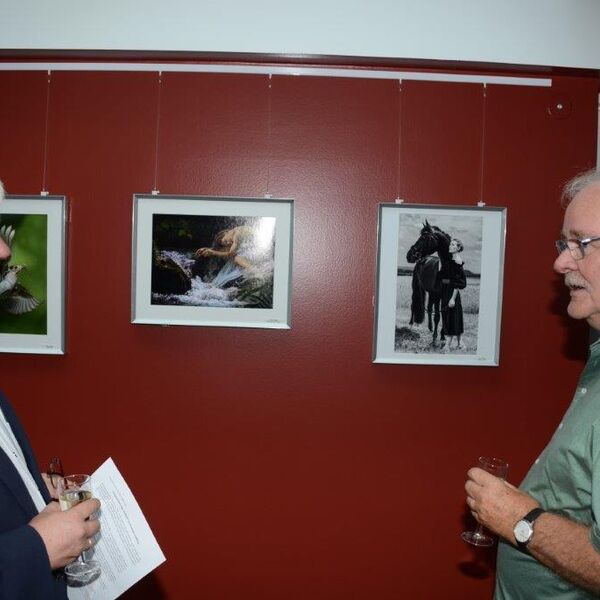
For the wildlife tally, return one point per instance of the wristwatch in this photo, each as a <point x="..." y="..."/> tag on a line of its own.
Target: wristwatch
<point x="523" y="530"/>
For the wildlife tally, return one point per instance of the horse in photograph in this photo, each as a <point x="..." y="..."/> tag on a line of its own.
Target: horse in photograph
<point x="426" y="278"/>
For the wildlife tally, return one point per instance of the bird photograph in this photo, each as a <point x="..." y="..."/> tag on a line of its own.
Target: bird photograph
<point x="23" y="274"/>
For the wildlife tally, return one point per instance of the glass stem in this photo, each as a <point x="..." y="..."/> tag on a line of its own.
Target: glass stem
<point x="479" y="531"/>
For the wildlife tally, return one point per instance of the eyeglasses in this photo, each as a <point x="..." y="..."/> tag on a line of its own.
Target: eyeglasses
<point x="576" y="247"/>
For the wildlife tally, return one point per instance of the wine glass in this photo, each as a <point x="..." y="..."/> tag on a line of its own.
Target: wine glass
<point x="73" y="489"/>
<point x="499" y="468"/>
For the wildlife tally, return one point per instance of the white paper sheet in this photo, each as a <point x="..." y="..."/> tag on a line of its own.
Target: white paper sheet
<point x="126" y="548"/>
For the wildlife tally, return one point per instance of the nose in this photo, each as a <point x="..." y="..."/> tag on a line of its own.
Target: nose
<point x="565" y="262"/>
<point x="4" y="250"/>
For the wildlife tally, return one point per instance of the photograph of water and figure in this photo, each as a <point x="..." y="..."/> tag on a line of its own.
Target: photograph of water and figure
<point x="439" y="284"/>
<point x="218" y="261"/>
<point x="212" y="261"/>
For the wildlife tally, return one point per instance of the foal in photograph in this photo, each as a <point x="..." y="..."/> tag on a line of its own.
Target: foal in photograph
<point x="426" y="276"/>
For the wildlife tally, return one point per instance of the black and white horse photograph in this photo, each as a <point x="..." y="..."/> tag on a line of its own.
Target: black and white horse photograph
<point x="438" y="284"/>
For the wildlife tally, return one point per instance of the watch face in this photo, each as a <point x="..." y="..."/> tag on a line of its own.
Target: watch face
<point x="523" y="531"/>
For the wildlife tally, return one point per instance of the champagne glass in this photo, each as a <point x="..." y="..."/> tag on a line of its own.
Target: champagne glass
<point x="73" y="489"/>
<point x="499" y="468"/>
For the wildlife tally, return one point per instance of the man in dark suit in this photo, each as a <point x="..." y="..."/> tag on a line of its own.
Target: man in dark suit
<point x="36" y="538"/>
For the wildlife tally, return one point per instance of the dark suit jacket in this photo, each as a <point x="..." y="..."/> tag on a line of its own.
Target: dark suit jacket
<point x="24" y="565"/>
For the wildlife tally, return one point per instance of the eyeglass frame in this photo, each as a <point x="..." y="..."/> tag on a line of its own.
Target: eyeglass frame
<point x="562" y="245"/>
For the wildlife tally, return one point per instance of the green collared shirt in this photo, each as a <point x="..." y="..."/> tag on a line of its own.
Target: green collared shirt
<point x="564" y="479"/>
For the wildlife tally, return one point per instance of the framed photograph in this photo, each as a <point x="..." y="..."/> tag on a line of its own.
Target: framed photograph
<point x="212" y="261"/>
<point x="439" y="284"/>
<point x="32" y="280"/>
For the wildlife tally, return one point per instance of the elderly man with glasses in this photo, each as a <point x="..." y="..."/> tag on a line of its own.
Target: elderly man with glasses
<point x="549" y="528"/>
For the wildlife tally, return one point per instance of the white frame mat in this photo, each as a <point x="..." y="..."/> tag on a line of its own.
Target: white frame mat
<point x="396" y="339"/>
<point x="145" y="312"/>
<point x="54" y="207"/>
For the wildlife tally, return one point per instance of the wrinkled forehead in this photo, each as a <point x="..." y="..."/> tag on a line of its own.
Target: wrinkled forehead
<point x="582" y="216"/>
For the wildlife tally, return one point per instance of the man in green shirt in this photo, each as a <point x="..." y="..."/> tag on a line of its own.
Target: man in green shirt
<point x="550" y="526"/>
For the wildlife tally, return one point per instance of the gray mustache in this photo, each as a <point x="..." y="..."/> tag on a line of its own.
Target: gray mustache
<point x="572" y="279"/>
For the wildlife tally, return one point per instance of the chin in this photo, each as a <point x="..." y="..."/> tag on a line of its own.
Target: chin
<point x="576" y="311"/>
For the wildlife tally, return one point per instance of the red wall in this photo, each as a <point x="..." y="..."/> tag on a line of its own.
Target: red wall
<point x="284" y="464"/>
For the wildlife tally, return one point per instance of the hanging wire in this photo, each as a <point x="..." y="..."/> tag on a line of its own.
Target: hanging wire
<point x="269" y="131"/>
<point x="44" y="191"/>
<point x="155" y="190"/>
<point x="398" y="170"/>
<point x="483" y="128"/>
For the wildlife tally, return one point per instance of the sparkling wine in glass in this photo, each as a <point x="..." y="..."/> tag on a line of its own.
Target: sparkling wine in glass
<point x="73" y="489"/>
<point x="499" y="468"/>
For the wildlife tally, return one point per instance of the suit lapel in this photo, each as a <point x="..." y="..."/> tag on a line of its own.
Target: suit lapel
<point x="8" y="472"/>
<point x="12" y="480"/>
<point x="23" y="441"/>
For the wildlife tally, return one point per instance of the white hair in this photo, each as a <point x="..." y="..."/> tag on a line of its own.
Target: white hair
<point x="579" y="183"/>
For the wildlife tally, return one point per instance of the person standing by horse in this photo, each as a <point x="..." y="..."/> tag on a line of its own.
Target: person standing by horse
<point x="426" y="278"/>
<point x="452" y="275"/>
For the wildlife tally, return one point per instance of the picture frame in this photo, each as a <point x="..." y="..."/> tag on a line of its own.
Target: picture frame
<point x="451" y="257"/>
<point x="212" y="261"/>
<point x="32" y="304"/>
